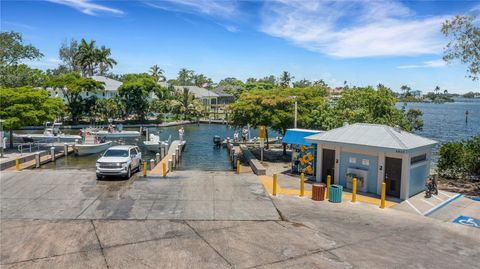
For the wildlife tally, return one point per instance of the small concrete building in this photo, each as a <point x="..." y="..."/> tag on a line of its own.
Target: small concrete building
<point x="373" y="153"/>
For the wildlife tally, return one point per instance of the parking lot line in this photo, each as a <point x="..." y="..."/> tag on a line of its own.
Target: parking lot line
<point x="435" y="196"/>
<point x="418" y="211"/>
<point x="441" y="192"/>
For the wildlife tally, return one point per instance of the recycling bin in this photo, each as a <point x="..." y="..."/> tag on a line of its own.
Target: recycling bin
<point x="335" y="193"/>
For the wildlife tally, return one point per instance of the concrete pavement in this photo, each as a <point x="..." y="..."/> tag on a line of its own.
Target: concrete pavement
<point x="302" y="234"/>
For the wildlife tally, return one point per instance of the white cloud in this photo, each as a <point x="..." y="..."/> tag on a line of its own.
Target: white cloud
<point x="427" y="64"/>
<point x="88" y="7"/>
<point x="351" y="29"/>
<point x="214" y="8"/>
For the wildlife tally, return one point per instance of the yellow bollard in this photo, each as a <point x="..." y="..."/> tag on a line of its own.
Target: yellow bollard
<point x="329" y="180"/>
<point x="144" y="169"/>
<point x="382" y="197"/>
<point x="354" y="190"/>
<point x="302" y="185"/>
<point x="164" y="169"/>
<point x="238" y="166"/>
<point x="17" y="164"/>
<point x="274" y="184"/>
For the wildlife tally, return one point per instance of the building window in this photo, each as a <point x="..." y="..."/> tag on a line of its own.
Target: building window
<point x="365" y="162"/>
<point x="419" y="158"/>
<point x="352" y="160"/>
<point x="103" y="94"/>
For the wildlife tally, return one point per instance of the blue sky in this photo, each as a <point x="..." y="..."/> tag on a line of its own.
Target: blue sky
<point x="361" y="42"/>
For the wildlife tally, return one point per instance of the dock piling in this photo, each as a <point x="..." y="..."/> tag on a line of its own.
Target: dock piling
<point x="52" y="153"/>
<point x="65" y="149"/>
<point x="174" y="160"/>
<point x="152" y="164"/>
<point x="37" y="160"/>
<point x="157" y="157"/>
<point x="238" y="167"/>
<point x="170" y="165"/>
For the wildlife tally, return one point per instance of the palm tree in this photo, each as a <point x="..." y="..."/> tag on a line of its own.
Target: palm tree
<point x="185" y="77"/>
<point x="157" y="73"/>
<point x="87" y="57"/>
<point x="103" y="60"/>
<point x="285" y="79"/>
<point x="437" y="89"/>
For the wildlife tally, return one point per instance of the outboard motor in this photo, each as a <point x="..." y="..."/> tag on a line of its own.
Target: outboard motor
<point x="217" y="140"/>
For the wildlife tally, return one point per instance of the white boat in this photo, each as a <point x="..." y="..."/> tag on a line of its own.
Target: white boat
<point x="91" y="146"/>
<point x="114" y="132"/>
<point x="155" y="144"/>
<point x="51" y="133"/>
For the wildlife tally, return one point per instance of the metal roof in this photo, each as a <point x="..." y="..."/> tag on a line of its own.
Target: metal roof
<point x="296" y="136"/>
<point x="110" y="84"/>
<point x="197" y="91"/>
<point x="372" y="136"/>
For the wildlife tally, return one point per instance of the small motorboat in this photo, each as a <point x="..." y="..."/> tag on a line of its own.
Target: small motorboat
<point x="51" y="133"/>
<point x="115" y="132"/>
<point x="91" y="145"/>
<point x="155" y="144"/>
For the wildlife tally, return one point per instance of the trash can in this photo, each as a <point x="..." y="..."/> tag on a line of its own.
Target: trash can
<point x="335" y="193"/>
<point x="318" y="192"/>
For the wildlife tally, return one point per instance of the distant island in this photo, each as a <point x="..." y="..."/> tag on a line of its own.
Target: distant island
<point x="436" y="96"/>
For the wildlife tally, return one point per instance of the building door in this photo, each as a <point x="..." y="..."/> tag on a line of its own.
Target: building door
<point x="328" y="164"/>
<point x="393" y="176"/>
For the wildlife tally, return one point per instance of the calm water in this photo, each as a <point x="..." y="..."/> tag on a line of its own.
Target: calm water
<point x="446" y="122"/>
<point x="199" y="153"/>
<point x="442" y="122"/>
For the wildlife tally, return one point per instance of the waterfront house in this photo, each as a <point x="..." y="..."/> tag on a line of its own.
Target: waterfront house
<point x="373" y="153"/>
<point x="303" y="152"/>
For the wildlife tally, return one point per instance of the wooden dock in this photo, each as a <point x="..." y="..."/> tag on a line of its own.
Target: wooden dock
<point x="45" y="157"/>
<point x="157" y="171"/>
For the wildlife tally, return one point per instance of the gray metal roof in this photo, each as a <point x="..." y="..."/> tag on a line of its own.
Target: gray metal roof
<point x="371" y="136"/>
<point x="197" y="91"/>
<point x="110" y="84"/>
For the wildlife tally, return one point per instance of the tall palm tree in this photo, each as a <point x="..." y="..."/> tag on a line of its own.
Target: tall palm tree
<point x="185" y="77"/>
<point x="157" y="73"/>
<point x="103" y="60"/>
<point x="87" y="57"/>
<point x="285" y="79"/>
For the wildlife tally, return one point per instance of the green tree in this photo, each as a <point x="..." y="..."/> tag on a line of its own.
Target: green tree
<point x="285" y="79"/>
<point x="302" y="83"/>
<point x="87" y="57"/>
<point x="20" y="76"/>
<point x="135" y="91"/>
<point x="12" y="49"/>
<point x="72" y="86"/>
<point x="68" y="54"/>
<point x="460" y="159"/>
<point x="200" y="80"/>
<point x="185" y="77"/>
<point x="157" y="73"/>
<point x="104" y="61"/>
<point x="27" y="106"/>
<point x="464" y="44"/>
<point x="230" y="81"/>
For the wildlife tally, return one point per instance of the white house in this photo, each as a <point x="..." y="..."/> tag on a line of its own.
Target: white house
<point x="374" y="153"/>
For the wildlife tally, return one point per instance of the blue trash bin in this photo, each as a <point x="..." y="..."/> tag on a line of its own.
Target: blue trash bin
<point x="335" y="193"/>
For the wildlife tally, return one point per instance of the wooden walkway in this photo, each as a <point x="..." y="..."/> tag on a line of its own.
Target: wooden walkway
<point x="158" y="169"/>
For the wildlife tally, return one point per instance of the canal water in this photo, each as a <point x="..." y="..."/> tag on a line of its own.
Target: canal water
<point x="199" y="153"/>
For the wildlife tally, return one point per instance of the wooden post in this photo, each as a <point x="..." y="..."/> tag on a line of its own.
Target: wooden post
<point x="37" y="160"/>
<point x="65" y="149"/>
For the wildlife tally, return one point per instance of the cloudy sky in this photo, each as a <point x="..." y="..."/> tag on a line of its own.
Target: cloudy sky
<point x="361" y="42"/>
